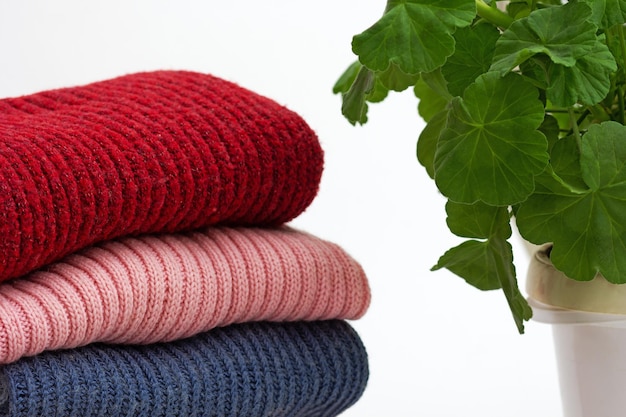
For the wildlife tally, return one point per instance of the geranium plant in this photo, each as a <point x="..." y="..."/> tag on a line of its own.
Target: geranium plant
<point x="524" y="108"/>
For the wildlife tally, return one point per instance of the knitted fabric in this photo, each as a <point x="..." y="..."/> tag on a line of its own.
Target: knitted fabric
<point x="254" y="369"/>
<point x="162" y="151"/>
<point x="161" y="288"/>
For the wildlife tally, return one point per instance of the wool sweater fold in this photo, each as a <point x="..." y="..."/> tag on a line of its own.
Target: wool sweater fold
<point x="302" y="369"/>
<point x="161" y="151"/>
<point x="154" y="288"/>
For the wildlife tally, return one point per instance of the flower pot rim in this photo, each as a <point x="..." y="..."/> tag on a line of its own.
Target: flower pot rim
<point x="555" y="298"/>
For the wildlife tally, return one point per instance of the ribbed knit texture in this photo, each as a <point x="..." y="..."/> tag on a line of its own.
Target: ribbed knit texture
<point x="315" y="369"/>
<point x="161" y="151"/>
<point x="161" y="288"/>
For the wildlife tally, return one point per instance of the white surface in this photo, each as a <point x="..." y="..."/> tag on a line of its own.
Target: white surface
<point x="437" y="346"/>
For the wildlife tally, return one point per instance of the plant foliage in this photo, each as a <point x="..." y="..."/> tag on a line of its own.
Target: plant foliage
<point x="524" y="104"/>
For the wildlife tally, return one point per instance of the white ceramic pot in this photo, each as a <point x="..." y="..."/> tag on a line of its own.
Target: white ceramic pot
<point x="589" y="329"/>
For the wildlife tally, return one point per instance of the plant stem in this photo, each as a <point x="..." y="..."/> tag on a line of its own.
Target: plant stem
<point x="559" y="110"/>
<point x="620" y="104"/>
<point x="582" y="117"/>
<point x="574" y="123"/>
<point x="493" y="15"/>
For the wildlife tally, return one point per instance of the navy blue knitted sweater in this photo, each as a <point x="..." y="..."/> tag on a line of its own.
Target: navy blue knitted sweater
<point x="255" y="369"/>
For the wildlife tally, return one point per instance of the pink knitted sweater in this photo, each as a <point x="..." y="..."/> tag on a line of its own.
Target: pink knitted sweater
<point x="164" y="287"/>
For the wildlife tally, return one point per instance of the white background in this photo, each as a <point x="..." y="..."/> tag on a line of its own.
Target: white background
<point x="437" y="346"/>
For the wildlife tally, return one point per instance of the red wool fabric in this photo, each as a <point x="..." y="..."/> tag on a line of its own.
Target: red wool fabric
<point x="161" y="151"/>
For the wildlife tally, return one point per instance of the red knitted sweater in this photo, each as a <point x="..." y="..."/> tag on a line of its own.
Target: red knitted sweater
<point x="150" y="152"/>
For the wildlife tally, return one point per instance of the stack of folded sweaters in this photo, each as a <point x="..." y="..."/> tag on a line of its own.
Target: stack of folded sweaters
<point x="145" y="265"/>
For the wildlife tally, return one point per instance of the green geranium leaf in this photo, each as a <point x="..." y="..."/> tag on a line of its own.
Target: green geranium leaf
<point x="607" y="13"/>
<point x="562" y="33"/>
<point x="354" y="106"/>
<point x="472" y="261"/>
<point x="518" y="8"/>
<point x="478" y="220"/>
<point x="393" y="78"/>
<point x="486" y="264"/>
<point x="587" y="227"/>
<point x="587" y="82"/>
<point x="551" y="130"/>
<point x="347" y="78"/>
<point x="472" y="57"/>
<point x="416" y="35"/>
<point x="569" y="59"/>
<point x="428" y="139"/>
<point x="378" y="93"/>
<point x="603" y="157"/>
<point x="565" y="161"/>
<point x="502" y="259"/>
<point x="496" y="119"/>
<point x="489" y="265"/>
<point x="534" y="70"/>
<point x="358" y="85"/>
<point x="437" y="83"/>
<point x="615" y="46"/>
<point x="430" y="102"/>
